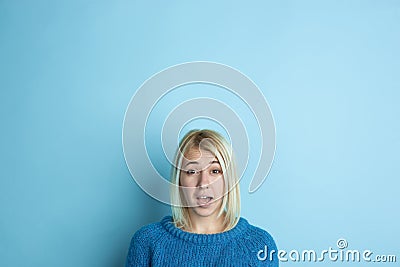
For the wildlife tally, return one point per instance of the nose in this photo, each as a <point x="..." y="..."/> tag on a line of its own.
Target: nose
<point x="204" y="180"/>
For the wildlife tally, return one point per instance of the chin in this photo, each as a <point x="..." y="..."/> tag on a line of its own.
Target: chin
<point x="206" y="211"/>
<point x="203" y="213"/>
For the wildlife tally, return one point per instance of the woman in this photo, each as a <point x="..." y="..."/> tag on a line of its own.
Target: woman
<point x="205" y="228"/>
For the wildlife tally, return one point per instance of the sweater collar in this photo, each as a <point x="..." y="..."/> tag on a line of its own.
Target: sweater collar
<point x="223" y="237"/>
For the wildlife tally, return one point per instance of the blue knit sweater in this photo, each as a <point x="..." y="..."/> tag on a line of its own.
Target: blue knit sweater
<point x="163" y="244"/>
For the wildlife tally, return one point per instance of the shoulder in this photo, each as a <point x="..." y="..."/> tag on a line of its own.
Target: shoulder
<point x="148" y="233"/>
<point x="142" y="244"/>
<point x="258" y="237"/>
<point x="259" y="242"/>
<point x="254" y="242"/>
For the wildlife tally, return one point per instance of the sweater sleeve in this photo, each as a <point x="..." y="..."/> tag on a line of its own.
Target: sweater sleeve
<point x="139" y="251"/>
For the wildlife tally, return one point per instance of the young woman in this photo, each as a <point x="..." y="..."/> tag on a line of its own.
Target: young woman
<point x="205" y="228"/>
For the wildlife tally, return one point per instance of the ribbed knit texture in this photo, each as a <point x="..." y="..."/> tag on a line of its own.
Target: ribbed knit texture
<point x="163" y="244"/>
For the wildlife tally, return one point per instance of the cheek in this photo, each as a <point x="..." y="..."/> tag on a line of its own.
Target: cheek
<point x="188" y="185"/>
<point x="187" y="181"/>
<point x="187" y="196"/>
<point x="219" y="186"/>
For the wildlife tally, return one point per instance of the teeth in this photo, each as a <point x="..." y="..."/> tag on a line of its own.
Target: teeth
<point x="204" y="200"/>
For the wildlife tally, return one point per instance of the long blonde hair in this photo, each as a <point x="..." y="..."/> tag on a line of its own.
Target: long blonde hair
<point x="217" y="144"/>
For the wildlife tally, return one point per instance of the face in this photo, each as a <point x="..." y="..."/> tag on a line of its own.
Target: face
<point x="202" y="182"/>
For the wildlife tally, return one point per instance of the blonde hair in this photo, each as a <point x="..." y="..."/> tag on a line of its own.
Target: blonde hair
<point x="215" y="143"/>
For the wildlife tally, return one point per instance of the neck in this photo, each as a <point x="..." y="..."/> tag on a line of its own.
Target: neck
<point x="206" y="225"/>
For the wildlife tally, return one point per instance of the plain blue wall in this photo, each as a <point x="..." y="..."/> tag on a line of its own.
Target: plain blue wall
<point x="329" y="70"/>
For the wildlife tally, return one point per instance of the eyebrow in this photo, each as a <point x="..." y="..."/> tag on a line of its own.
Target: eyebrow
<point x="196" y="162"/>
<point x="191" y="162"/>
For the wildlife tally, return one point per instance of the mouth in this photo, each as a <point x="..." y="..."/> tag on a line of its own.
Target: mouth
<point x="204" y="201"/>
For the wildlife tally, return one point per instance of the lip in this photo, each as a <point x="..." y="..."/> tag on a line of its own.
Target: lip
<point x="204" y="200"/>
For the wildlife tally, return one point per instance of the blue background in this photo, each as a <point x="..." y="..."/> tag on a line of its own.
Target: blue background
<point x="329" y="70"/>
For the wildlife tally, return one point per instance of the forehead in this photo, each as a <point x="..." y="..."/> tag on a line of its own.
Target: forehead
<point x="194" y="154"/>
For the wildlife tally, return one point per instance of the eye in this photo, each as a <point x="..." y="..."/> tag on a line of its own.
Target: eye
<point x="216" y="171"/>
<point x="191" y="172"/>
